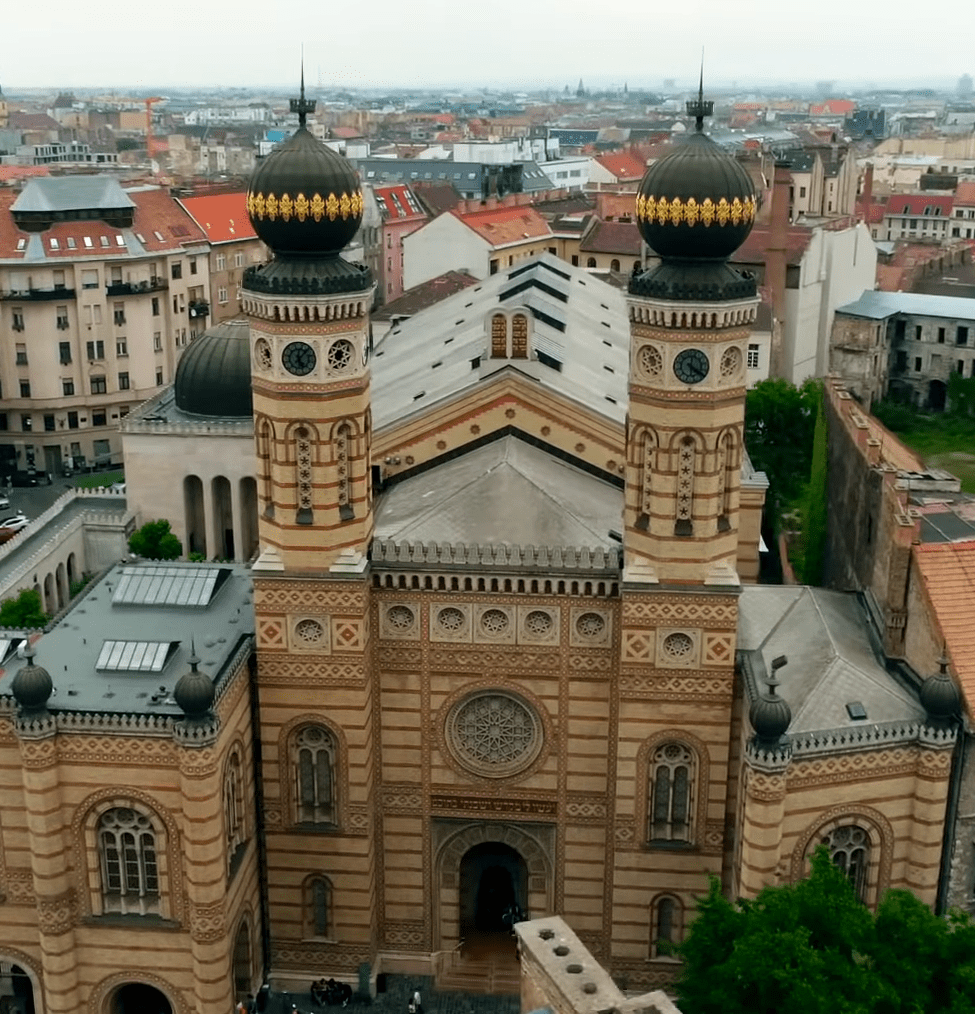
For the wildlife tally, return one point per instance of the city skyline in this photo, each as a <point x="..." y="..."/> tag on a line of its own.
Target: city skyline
<point x="543" y="46"/>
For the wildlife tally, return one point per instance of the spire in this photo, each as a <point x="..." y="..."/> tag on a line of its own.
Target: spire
<point x="302" y="106"/>
<point x="698" y="108"/>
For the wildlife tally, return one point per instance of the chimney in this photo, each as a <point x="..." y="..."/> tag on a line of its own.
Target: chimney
<point x="775" y="259"/>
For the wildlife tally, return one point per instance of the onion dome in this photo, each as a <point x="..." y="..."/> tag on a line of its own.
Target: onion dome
<point x="698" y="202"/>
<point x="770" y="714"/>
<point x="213" y="377"/>
<point x="32" y="686"/>
<point x="940" y="697"/>
<point x="194" y="692"/>
<point x="305" y="200"/>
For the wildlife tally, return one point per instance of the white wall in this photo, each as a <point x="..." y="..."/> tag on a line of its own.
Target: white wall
<point x="445" y="244"/>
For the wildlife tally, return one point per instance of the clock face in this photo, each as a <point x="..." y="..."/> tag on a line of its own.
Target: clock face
<point x="298" y="358"/>
<point x="691" y="366"/>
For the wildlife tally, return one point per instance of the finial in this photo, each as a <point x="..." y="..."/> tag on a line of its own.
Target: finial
<point x="301" y="105"/>
<point x="698" y="108"/>
<point x="194" y="661"/>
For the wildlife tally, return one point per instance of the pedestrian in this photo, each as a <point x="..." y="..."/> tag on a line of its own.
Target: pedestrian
<point x="415" y="1006"/>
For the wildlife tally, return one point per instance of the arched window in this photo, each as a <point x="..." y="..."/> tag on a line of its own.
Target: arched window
<point x="686" y="468"/>
<point x="671" y="786"/>
<point x="127" y="853"/>
<point x="849" y="848"/>
<point x="318" y="907"/>
<point x="725" y="466"/>
<point x="315" y="776"/>
<point x="265" y="440"/>
<point x="233" y="806"/>
<point x="519" y="336"/>
<point x="303" y="475"/>
<point x="591" y="262"/>
<point x="665" y="927"/>
<point x="499" y="336"/>
<point x="614" y="265"/>
<point x="343" y="438"/>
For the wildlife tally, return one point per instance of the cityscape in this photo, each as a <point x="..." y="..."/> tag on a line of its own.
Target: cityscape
<point x="445" y="527"/>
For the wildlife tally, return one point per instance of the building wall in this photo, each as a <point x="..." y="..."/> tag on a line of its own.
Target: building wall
<point x="445" y="244"/>
<point x="924" y="350"/>
<point x="228" y="261"/>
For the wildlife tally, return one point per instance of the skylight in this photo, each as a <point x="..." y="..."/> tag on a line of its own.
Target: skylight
<point x="168" y="586"/>
<point x="134" y="656"/>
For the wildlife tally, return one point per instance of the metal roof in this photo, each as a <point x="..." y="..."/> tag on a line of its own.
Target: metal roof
<point x="878" y="305"/>
<point x="72" y="193"/>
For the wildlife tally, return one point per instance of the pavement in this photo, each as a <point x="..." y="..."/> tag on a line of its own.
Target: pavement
<point x="33" y="500"/>
<point x="395" y="998"/>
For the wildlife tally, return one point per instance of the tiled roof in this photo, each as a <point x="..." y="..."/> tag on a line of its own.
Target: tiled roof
<point x="833" y="107"/>
<point x="426" y="294"/>
<point x="965" y="194"/>
<point x="437" y="197"/>
<point x="20" y="172"/>
<point x="32" y="121"/>
<point x="755" y="247"/>
<point x="223" y="217"/>
<point x="612" y="237"/>
<point x="915" y="204"/>
<point x="345" y="132"/>
<point x="948" y="573"/>
<point x="503" y="226"/>
<point x="622" y="165"/>
<point x="398" y="203"/>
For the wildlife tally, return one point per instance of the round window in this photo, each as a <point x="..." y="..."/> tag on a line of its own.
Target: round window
<point x="730" y="362"/>
<point x="494" y="622"/>
<point x="650" y="361"/>
<point x="400" y="618"/>
<point x="678" y="646"/>
<point x="494" y="733"/>
<point x="450" y="620"/>
<point x="539" y="623"/>
<point x="590" y="626"/>
<point x="340" y="355"/>
<point x="309" y="631"/>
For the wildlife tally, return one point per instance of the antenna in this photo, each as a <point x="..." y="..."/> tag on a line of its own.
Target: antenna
<point x="698" y="108"/>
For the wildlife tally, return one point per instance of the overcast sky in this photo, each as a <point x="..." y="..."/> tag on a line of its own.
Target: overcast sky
<point x="524" y="43"/>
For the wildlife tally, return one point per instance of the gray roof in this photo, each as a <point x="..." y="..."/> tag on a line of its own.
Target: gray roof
<point x="831" y="660"/>
<point x="72" y="193"/>
<point x="583" y="329"/>
<point x="506" y="493"/>
<point x="71" y="648"/>
<point x="878" y="305"/>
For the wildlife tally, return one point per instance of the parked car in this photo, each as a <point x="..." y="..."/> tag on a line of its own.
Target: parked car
<point x="14" y="523"/>
<point x="4" y="501"/>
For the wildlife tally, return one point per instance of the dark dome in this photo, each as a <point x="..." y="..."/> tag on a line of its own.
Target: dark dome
<point x="304" y="199"/>
<point x="770" y="716"/>
<point x="194" y="692"/>
<point x="939" y="695"/>
<point x="32" y="686"/>
<point x="697" y="203"/>
<point x="214" y="374"/>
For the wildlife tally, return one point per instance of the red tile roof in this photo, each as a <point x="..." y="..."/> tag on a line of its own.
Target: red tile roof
<point x="32" y="121"/>
<point x="622" y="165"/>
<point x="506" y="226"/>
<point x="832" y="107"/>
<point x="914" y="204"/>
<point x="948" y="574"/>
<point x="965" y="194"/>
<point x="223" y="217"/>
<point x="398" y="203"/>
<point x="425" y="294"/>
<point x="345" y="133"/>
<point x="21" y="172"/>
<point x="612" y="238"/>
<point x="754" y="249"/>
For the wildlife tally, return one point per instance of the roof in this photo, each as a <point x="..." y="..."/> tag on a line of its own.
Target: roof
<point x="437" y="197"/>
<point x="965" y="193"/>
<point x="32" y="121"/>
<point x="919" y="204"/>
<point x="755" y="248"/>
<point x="223" y="217"/>
<point x="948" y="575"/>
<point x="18" y="172"/>
<point x="428" y="358"/>
<point x="502" y="226"/>
<point x="622" y="165"/>
<point x="424" y="295"/>
<point x="833" y="107"/>
<point x="831" y="662"/>
<point x="72" y="193"/>
<point x="879" y="305"/>
<point x="468" y="500"/>
<point x="398" y="203"/>
<point x="612" y="237"/>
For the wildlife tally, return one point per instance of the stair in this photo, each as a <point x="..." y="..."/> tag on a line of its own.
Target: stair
<point x="487" y="964"/>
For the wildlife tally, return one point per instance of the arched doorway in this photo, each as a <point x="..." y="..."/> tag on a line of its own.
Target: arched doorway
<point x="242" y="962"/>
<point x="139" y="998"/>
<point x="493" y="881"/>
<point x="16" y="989"/>
<point x="937" y="395"/>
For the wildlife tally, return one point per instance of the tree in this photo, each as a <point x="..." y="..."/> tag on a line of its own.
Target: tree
<point x="812" y="947"/>
<point x="155" y="541"/>
<point x="814" y="512"/>
<point x="24" y="611"/>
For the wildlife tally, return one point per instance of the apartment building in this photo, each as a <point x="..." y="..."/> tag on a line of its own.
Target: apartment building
<point x="101" y="288"/>
<point x="918" y="217"/>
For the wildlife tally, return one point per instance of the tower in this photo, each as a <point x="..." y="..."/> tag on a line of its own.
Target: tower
<point x="689" y="327"/>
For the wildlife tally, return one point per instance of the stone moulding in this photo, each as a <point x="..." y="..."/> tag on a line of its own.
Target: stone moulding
<point x="600" y="560"/>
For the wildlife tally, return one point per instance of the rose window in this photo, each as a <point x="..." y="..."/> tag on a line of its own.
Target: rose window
<point x="495" y="734"/>
<point x="340" y="354"/>
<point x="590" y="626"/>
<point x="400" y="618"/>
<point x="450" y="620"/>
<point x="650" y="360"/>
<point x="309" y="631"/>
<point x="263" y="354"/>
<point x="539" y="623"/>
<point x="731" y="362"/>
<point x="678" y="646"/>
<point x="494" y="622"/>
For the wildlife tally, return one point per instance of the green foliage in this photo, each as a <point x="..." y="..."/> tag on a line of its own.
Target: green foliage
<point x="812" y="543"/>
<point x="95" y="480"/>
<point x="961" y="395"/>
<point x="155" y="541"/>
<point x="197" y="558"/>
<point x="24" y="611"/>
<point x="779" y="422"/>
<point x="76" y="587"/>
<point x="812" y="947"/>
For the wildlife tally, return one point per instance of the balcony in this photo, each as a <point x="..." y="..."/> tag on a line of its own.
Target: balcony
<point x="199" y="308"/>
<point x="135" y="288"/>
<point x="37" y="295"/>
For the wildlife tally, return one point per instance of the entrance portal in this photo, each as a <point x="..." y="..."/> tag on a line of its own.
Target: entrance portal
<point x="140" y="998"/>
<point x="493" y="895"/>
<point x="16" y="989"/>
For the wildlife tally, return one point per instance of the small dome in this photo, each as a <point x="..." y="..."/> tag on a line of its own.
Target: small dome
<point x="770" y="716"/>
<point x="32" y="686"/>
<point x="214" y="374"/>
<point x="940" y="697"/>
<point x="304" y="199"/>
<point x="697" y="202"/>
<point x="194" y="692"/>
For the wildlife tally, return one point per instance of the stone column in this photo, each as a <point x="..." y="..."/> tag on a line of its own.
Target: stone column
<point x="237" y="516"/>
<point x="209" y="529"/>
<point x="762" y="816"/>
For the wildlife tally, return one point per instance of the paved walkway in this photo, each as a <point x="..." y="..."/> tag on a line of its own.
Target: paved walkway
<point x="394" y="1000"/>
